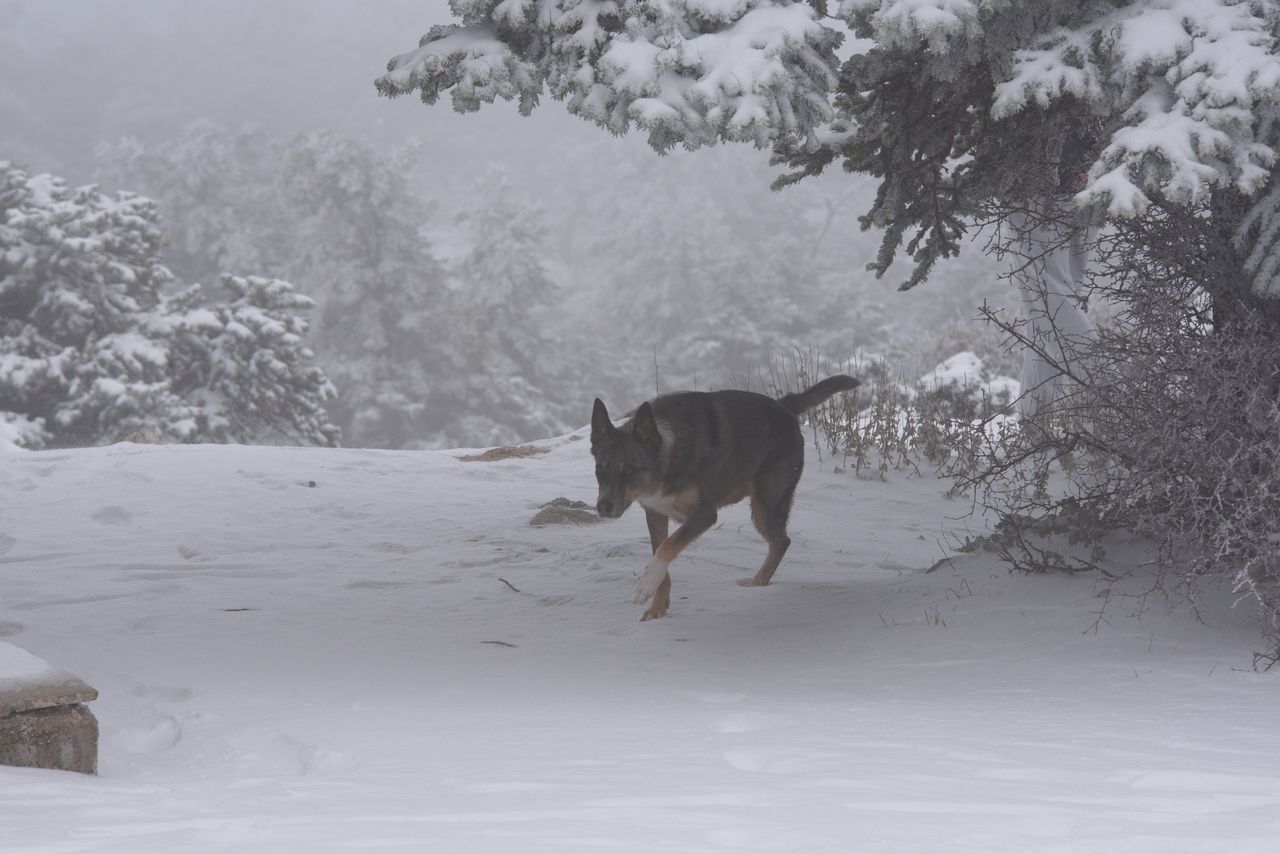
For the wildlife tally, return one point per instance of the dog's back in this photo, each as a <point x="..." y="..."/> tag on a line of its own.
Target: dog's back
<point x="720" y="439"/>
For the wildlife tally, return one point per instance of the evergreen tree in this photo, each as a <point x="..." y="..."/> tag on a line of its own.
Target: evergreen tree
<point x="243" y="363"/>
<point x="344" y="220"/>
<point x="714" y="287"/>
<point x="708" y="283"/>
<point x="77" y="268"/>
<point x="357" y="242"/>
<point x="512" y="371"/>
<point x="92" y="348"/>
<point x="219" y="192"/>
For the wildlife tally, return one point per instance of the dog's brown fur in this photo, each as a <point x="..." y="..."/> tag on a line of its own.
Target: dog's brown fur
<point x="684" y="456"/>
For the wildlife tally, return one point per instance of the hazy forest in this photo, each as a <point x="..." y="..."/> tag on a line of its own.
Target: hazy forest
<point x="477" y="279"/>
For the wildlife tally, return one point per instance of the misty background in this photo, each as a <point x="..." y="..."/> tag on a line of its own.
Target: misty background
<point x="479" y="278"/>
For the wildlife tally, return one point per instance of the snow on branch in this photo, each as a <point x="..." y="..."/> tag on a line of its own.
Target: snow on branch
<point x="1257" y="236"/>
<point x="938" y="24"/>
<point x="693" y="72"/>
<point x="1187" y="78"/>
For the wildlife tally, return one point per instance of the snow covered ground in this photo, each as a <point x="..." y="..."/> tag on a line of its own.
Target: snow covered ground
<point x="315" y="650"/>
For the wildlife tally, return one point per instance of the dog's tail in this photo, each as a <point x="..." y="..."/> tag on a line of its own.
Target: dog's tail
<point x="803" y="401"/>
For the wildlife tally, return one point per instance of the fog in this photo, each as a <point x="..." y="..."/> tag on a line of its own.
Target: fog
<point x="556" y="262"/>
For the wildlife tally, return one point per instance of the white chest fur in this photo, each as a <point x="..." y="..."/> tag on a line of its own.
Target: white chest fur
<point x="664" y="504"/>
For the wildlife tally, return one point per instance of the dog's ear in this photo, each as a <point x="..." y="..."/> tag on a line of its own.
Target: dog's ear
<point x="645" y="428"/>
<point x="601" y="426"/>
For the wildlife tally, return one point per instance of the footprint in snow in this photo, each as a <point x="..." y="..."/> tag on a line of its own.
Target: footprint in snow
<point x="783" y="761"/>
<point x="719" y="698"/>
<point x="751" y="722"/>
<point x="282" y="753"/>
<point x="375" y="584"/>
<point x="162" y="733"/>
<point x="167" y="693"/>
<point x="113" y="515"/>
<point x="395" y="548"/>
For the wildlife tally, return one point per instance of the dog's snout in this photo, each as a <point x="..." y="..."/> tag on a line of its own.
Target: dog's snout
<point x="604" y="507"/>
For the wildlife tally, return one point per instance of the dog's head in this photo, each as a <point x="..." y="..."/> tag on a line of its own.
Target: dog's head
<point x="626" y="458"/>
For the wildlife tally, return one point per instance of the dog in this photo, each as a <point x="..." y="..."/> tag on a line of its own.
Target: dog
<point x="684" y="456"/>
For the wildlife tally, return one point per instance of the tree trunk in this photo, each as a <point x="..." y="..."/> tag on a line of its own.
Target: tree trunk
<point x="1049" y="269"/>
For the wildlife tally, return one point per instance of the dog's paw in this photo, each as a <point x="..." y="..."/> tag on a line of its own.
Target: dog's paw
<point x="752" y="582"/>
<point x="652" y="613"/>
<point x="649" y="581"/>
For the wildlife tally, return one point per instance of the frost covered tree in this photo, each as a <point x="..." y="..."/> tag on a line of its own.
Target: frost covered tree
<point x="357" y="241"/>
<point x="93" y="346"/>
<point x="953" y="104"/>
<point x="1042" y="118"/>
<point x="218" y="189"/>
<point x="1048" y="117"/>
<point x="333" y="214"/>
<point x="243" y="362"/>
<point x="511" y="372"/>
<point x="956" y="106"/>
<point x="706" y="285"/>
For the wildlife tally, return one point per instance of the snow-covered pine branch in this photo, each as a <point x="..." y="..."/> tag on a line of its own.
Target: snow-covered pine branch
<point x="689" y="72"/>
<point x="1257" y="236"/>
<point x="961" y="105"/>
<point x="954" y="105"/>
<point x="1187" y="78"/>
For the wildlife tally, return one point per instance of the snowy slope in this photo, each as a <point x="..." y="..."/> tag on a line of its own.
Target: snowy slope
<point x="290" y="667"/>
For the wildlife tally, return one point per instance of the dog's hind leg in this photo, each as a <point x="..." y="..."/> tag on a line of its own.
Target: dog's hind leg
<point x="773" y="527"/>
<point x="771" y="495"/>
<point x="771" y="561"/>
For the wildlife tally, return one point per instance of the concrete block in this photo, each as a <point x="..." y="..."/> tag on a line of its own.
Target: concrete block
<point x="43" y="720"/>
<point x="64" y="738"/>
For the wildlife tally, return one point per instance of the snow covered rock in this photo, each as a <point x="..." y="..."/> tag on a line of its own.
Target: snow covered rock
<point x="43" y="720"/>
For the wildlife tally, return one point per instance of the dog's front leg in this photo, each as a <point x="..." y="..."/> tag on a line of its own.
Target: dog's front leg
<point x="656" y="571"/>
<point x="660" y="602"/>
<point x="657" y="523"/>
<point x="653" y="576"/>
